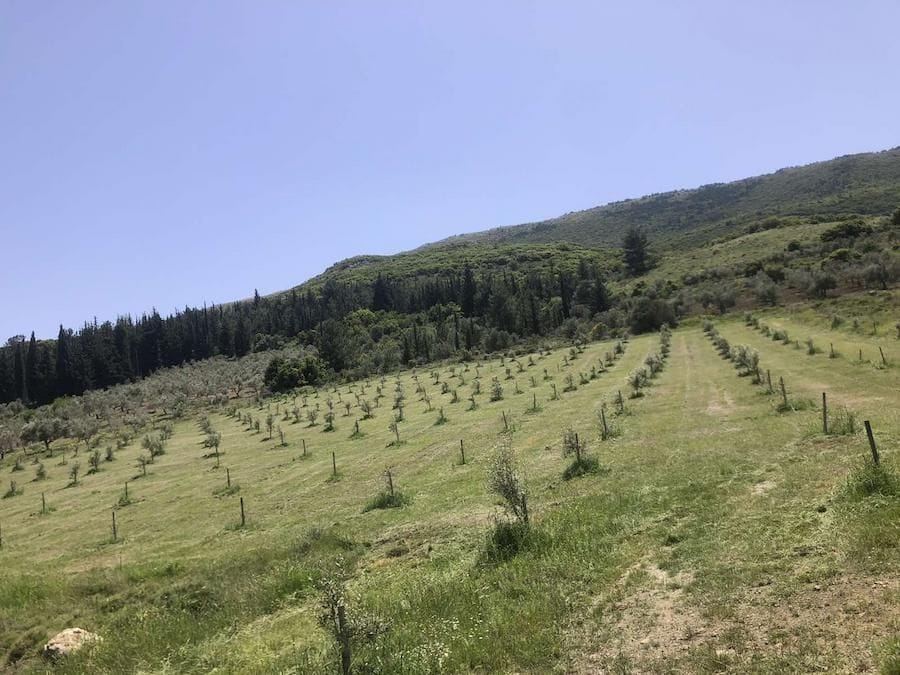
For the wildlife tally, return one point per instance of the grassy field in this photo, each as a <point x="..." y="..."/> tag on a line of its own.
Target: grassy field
<point x="718" y="535"/>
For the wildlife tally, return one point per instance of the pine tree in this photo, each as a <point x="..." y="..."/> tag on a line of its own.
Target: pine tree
<point x="634" y="248"/>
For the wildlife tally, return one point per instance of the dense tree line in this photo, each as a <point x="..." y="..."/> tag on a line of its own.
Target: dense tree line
<point x="363" y="325"/>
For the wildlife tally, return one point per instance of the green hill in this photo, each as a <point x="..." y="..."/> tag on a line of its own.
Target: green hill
<point x="866" y="184"/>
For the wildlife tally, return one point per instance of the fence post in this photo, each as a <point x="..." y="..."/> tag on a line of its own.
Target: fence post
<point x="872" y="445"/>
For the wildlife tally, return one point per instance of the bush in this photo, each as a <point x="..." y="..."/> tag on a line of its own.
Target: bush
<point x="386" y="500"/>
<point x="848" y="230"/>
<point x="581" y="466"/>
<point x="505" y="540"/>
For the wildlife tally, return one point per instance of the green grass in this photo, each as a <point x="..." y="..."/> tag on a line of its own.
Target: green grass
<point x="710" y="511"/>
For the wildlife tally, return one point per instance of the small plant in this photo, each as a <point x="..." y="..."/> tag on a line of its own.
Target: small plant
<point x="367" y="409"/>
<point x="637" y="380"/>
<point x="395" y="427"/>
<point x="329" y="421"/>
<point x="73" y="472"/>
<point x="442" y="419"/>
<point x="505" y="540"/>
<point x="570" y="383"/>
<point x="811" y="348"/>
<point x="608" y="428"/>
<point x="18" y="465"/>
<point x="143" y="461"/>
<point x="505" y="481"/>
<point x="14" y="490"/>
<point x="496" y="390"/>
<point x="843" y="422"/>
<point x="389" y="498"/>
<point x="312" y="415"/>
<point x="110" y="453"/>
<point x="868" y="479"/>
<point x="582" y="464"/>
<point x="40" y="473"/>
<point x="346" y="627"/>
<point x="94" y="461"/>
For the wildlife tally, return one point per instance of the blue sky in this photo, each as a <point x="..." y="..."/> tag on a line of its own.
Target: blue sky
<point x="171" y="153"/>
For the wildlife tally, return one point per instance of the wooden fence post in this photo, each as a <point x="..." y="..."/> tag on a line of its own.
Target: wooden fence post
<point x="603" y="420"/>
<point x="824" y="413"/>
<point x="872" y="445"/>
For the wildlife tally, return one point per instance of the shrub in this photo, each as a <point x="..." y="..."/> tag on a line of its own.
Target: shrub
<point x="386" y="500"/>
<point x="581" y="466"/>
<point x="847" y="230"/>
<point x="505" y="481"/>
<point x="505" y="540"/>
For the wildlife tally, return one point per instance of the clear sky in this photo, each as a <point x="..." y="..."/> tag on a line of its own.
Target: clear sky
<point x="173" y="153"/>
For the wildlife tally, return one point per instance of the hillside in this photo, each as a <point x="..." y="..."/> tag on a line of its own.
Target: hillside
<point x="866" y="184"/>
<point x="488" y="291"/>
<point x="712" y="529"/>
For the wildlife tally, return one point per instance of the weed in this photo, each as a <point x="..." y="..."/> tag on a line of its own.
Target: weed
<point x="868" y="479"/>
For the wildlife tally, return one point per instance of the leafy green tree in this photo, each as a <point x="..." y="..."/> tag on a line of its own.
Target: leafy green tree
<point x="44" y="430"/>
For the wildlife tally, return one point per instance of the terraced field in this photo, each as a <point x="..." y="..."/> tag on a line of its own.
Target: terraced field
<point x="719" y="534"/>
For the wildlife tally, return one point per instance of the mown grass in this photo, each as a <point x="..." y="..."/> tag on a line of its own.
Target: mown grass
<point x="704" y="485"/>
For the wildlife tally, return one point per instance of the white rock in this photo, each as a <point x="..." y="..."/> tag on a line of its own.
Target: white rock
<point x="68" y="642"/>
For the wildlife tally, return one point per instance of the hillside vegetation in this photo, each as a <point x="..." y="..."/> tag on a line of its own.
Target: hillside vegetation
<point x="709" y="527"/>
<point x="862" y="184"/>
<point x="834" y="232"/>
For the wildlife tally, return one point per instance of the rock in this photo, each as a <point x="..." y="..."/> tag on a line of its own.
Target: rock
<point x="68" y="642"/>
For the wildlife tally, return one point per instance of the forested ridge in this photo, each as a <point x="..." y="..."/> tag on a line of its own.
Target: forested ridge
<point x="375" y="324"/>
<point x="485" y="292"/>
